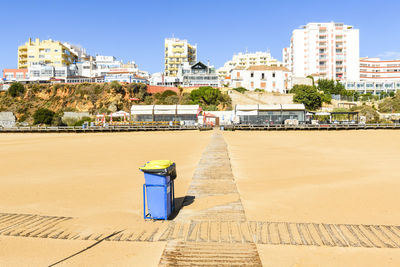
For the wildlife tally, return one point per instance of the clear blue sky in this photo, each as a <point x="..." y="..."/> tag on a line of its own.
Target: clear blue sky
<point x="135" y="30"/>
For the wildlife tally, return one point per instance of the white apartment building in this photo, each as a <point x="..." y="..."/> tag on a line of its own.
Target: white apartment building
<point x="176" y="53"/>
<point x="246" y="60"/>
<point x="160" y="79"/>
<point x="103" y="65"/>
<point x="324" y="50"/>
<point x="47" y="72"/>
<point x="268" y="78"/>
<point x="375" y="69"/>
<point x="78" y="51"/>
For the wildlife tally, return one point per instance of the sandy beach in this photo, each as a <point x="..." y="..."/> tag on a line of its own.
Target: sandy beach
<point x="348" y="177"/>
<point x="93" y="178"/>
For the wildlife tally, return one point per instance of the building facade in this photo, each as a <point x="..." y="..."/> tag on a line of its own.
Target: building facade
<point x="324" y="50"/>
<point x="45" y="52"/>
<point x="185" y="114"/>
<point x="160" y="79"/>
<point x="270" y="114"/>
<point x="267" y="78"/>
<point x="197" y="75"/>
<point x="176" y="53"/>
<point x="377" y="70"/>
<point x="124" y="77"/>
<point x="375" y="87"/>
<point x="48" y="72"/>
<point x="15" y="74"/>
<point x="245" y="60"/>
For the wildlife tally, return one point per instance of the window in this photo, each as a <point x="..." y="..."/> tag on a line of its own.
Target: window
<point x="273" y="75"/>
<point x="47" y="50"/>
<point x="252" y="75"/>
<point x="262" y="76"/>
<point x="41" y="56"/>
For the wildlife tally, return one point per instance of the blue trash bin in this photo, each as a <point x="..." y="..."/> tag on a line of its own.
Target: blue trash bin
<point x="158" y="190"/>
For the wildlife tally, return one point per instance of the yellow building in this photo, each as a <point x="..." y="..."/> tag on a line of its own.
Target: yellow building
<point x="176" y="53"/>
<point x="49" y="52"/>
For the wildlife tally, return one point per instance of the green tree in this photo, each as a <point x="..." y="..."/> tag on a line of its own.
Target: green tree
<point x="43" y="116"/>
<point x="339" y="89"/>
<point x="326" y="86"/>
<point x="16" y="89"/>
<point x="331" y="87"/>
<point x="307" y="95"/>
<point x="208" y="96"/>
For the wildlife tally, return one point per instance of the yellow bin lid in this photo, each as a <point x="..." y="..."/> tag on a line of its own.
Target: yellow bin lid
<point x="157" y="165"/>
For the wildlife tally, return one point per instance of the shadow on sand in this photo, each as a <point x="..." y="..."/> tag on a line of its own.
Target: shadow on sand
<point x="181" y="202"/>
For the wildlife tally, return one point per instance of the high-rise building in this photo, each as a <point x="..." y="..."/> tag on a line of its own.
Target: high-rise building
<point x="245" y="60"/>
<point x="176" y="53"/>
<point x="45" y="52"/>
<point x="324" y="50"/>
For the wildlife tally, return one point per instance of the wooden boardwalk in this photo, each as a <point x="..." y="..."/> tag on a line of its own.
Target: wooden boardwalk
<point x="98" y="129"/>
<point x="310" y="127"/>
<point x="205" y="231"/>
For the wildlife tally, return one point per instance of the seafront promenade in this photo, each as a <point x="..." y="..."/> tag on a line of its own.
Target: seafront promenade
<point x="240" y="127"/>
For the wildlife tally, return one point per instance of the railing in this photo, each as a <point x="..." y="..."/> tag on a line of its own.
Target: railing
<point x="112" y="128"/>
<point x="277" y="127"/>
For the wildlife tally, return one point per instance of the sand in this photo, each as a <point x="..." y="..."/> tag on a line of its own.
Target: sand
<point x="16" y="251"/>
<point x="346" y="177"/>
<point x="284" y="256"/>
<point x="93" y="178"/>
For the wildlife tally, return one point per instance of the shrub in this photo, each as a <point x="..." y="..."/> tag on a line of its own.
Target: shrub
<point x="16" y="89"/>
<point x="240" y="89"/>
<point x="168" y="93"/>
<point x="43" y="116"/>
<point x="369" y="112"/>
<point x="82" y="121"/>
<point x="171" y="100"/>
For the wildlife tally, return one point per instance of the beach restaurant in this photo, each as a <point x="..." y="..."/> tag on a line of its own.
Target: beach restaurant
<point x="270" y="114"/>
<point x="186" y="114"/>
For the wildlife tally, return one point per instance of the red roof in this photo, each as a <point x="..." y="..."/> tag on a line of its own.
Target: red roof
<point x="152" y="89"/>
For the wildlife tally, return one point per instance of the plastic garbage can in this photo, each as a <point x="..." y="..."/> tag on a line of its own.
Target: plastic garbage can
<point x="158" y="190"/>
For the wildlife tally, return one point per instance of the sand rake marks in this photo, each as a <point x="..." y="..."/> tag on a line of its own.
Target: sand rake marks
<point x="26" y="224"/>
<point x="178" y="253"/>
<point x="320" y="234"/>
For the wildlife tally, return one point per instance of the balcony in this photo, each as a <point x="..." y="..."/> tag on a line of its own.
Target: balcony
<point x="178" y="50"/>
